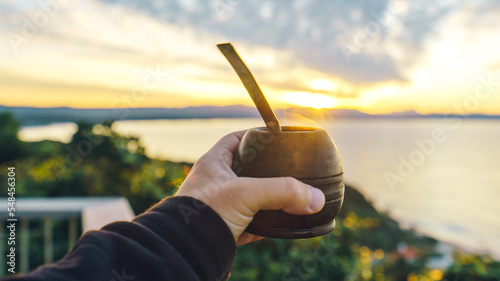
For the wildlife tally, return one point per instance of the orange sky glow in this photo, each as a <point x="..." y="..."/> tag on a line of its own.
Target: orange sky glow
<point x="144" y="62"/>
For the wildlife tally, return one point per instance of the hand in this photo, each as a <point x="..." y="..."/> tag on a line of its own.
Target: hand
<point x="237" y="199"/>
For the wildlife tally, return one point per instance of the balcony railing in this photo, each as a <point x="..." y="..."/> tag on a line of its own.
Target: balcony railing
<point x="94" y="213"/>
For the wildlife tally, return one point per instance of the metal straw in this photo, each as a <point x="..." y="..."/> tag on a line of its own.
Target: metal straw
<point x="252" y="87"/>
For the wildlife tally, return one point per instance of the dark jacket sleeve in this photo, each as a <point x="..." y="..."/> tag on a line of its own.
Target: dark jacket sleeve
<point x="179" y="239"/>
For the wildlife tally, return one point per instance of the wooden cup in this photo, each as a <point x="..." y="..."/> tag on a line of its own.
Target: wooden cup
<point x="305" y="153"/>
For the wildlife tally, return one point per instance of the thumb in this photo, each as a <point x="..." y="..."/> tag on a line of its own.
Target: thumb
<point x="287" y="194"/>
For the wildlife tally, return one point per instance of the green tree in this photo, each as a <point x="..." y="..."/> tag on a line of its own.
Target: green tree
<point x="11" y="147"/>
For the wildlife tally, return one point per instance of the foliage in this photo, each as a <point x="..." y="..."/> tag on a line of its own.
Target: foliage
<point x="473" y="267"/>
<point x="11" y="147"/>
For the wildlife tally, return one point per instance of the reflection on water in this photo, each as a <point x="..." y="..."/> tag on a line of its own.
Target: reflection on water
<point x="56" y="132"/>
<point x="448" y="190"/>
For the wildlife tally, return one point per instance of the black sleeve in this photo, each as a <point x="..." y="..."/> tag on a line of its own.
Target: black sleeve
<point x="178" y="239"/>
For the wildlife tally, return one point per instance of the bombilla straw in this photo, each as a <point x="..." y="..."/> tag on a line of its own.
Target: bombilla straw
<point x="252" y="87"/>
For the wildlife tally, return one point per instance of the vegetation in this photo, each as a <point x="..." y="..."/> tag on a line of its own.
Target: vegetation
<point x="365" y="245"/>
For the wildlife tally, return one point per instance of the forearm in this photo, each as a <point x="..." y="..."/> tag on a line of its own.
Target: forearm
<point x="178" y="239"/>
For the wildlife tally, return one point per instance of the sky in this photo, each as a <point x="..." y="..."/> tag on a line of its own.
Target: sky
<point x="375" y="56"/>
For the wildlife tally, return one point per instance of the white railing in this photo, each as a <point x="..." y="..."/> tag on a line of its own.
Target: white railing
<point x="95" y="212"/>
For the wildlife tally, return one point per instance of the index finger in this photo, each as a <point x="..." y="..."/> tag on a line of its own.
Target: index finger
<point x="226" y="147"/>
<point x="230" y="142"/>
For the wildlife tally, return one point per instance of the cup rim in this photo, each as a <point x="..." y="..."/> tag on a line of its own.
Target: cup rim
<point x="292" y="129"/>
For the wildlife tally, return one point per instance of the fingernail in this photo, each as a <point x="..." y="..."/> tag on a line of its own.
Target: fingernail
<point x="317" y="199"/>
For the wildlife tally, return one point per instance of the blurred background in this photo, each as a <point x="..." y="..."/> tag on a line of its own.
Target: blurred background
<point x="102" y="99"/>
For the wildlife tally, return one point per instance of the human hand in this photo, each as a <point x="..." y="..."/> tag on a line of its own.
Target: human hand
<point x="238" y="199"/>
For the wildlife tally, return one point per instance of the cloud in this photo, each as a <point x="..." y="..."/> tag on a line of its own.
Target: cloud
<point x="316" y="31"/>
<point x="287" y="44"/>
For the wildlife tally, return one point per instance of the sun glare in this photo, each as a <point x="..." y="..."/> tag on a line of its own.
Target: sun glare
<point x="322" y="84"/>
<point x="317" y="101"/>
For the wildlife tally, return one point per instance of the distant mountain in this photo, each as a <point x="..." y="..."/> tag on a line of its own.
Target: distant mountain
<point x="36" y="116"/>
<point x="39" y="116"/>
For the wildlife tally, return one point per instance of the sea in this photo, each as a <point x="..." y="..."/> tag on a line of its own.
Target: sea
<point x="440" y="177"/>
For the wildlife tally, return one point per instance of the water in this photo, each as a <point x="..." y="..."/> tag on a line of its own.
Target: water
<point x="447" y="188"/>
